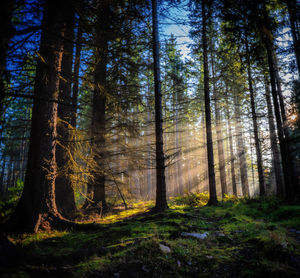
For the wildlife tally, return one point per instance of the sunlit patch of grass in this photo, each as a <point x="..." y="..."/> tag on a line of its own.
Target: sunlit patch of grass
<point x="92" y="264"/>
<point x="191" y="199"/>
<point x="27" y="239"/>
<point x="134" y="209"/>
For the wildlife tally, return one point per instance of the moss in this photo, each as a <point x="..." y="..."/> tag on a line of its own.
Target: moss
<point x="95" y="263"/>
<point x="247" y="238"/>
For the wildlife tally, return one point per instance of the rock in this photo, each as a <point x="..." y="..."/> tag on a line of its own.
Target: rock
<point x="209" y="257"/>
<point x="117" y="274"/>
<point x="178" y="263"/>
<point x="164" y="248"/>
<point x="196" y="235"/>
<point x="220" y="234"/>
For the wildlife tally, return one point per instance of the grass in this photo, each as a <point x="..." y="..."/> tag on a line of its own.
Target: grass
<point x="246" y="238"/>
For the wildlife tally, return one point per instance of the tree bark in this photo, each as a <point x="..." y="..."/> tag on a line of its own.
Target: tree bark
<point x="64" y="192"/>
<point x="286" y="158"/>
<point x="161" y="198"/>
<point x="273" y="140"/>
<point x="37" y="202"/>
<point x="210" y="153"/>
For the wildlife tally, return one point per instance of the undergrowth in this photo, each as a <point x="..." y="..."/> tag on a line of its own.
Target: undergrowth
<point x="243" y="238"/>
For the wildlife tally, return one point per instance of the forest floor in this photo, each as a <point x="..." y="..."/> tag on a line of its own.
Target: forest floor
<point x="238" y="238"/>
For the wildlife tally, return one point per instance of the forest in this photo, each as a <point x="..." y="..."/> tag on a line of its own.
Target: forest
<point x="150" y="138"/>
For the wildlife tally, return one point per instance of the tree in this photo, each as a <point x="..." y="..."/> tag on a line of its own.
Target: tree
<point x="220" y="140"/>
<point x="273" y="140"/>
<point x="210" y="154"/>
<point x="97" y="184"/>
<point x="64" y="193"/>
<point x="37" y="204"/>
<point x="254" y="119"/>
<point x="288" y="171"/>
<point x="161" y="201"/>
<point x="175" y="73"/>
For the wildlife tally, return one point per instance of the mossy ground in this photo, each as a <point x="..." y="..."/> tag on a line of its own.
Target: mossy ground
<point x="246" y="238"/>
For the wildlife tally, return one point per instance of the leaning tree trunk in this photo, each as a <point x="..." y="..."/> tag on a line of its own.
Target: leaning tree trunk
<point x="210" y="153"/>
<point x="241" y="148"/>
<point x="273" y="140"/>
<point x="37" y="203"/>
<point x="64" y="192"/>
<point x="161" y="196"/>
<point x="255" y="126"/>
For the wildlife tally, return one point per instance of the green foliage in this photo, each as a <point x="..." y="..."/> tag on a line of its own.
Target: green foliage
<point x="191" y="199"/>
<point x="8" y="204"/>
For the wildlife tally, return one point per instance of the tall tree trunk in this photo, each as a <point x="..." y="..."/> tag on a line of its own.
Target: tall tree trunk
<point x="273" y="140"/>
<point x="255" y="126"/>
<point x="220" y="140"/>
<point x="37" y="202"/>
<point x="204" y="177"/>
<point x="161" y="199"/>
<point x="210" y="153"/>
<point x="241" y="148"/>
<point x="99" y="104"/>
<point x="286" y="158"/>
<point x="149" y="164"/>
<point x="232" y="158"/>
<point x="64" y="192"/>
